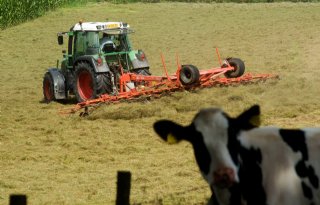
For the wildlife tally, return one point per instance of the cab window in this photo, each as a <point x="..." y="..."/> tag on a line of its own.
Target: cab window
<point x="86" y="43"/>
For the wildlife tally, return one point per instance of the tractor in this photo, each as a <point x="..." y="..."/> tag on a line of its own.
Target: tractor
<point x="98" y="54"/>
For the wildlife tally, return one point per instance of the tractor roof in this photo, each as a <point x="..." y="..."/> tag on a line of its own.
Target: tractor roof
<point x="99" y="26"/>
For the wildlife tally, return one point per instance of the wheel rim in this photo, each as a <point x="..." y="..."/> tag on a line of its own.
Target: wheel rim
<point x="234" y="65"/>
<point x="85" y="85"/>
<point x="47" y="90"/>
<point x="187" y="74"/>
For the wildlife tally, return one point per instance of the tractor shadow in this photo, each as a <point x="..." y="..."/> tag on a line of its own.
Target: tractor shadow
<point x="69" y="101"/>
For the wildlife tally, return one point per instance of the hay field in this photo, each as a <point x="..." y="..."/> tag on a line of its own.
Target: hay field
<point x="61" y="159"/>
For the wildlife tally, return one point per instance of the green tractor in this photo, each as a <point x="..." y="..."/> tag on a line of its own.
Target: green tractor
<point x="98" y="53"/>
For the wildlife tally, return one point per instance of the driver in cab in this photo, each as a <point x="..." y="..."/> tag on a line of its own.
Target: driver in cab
<point x="106" y="44"/>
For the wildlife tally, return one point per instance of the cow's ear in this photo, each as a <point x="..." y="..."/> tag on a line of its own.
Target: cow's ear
<point x="169" y="131"/>
<point x="249" y="118"/>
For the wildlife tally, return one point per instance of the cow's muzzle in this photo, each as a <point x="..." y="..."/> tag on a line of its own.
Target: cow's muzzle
<point x="224" y="178"/>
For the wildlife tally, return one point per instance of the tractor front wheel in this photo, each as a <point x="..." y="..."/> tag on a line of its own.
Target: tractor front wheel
<point x="48" y="88"/>
<point x="238" y="65"/>
<point x="88" y="84"/>
<point x="189" y="74"/>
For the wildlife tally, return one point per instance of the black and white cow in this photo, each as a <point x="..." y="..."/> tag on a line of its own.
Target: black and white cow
<point x="247" y="164"/>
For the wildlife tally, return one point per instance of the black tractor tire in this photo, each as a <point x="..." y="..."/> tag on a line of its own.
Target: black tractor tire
<point x="189" y="75"/>
<point x="88" y="84"/>
<point x="48" y="88"/>
<point x="238" y="65"/>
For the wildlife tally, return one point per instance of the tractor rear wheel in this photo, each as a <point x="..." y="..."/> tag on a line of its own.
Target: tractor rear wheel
<point x="238" y="65"/>
<point x="88" y="84"/>
<point x="48" y="88"/>
<point x="189" y="74"/>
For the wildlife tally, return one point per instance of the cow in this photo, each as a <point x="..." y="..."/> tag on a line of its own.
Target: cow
<point x="244" y="163"/>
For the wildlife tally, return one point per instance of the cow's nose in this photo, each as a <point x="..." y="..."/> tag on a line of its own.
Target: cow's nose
<point x="224" y="177"/>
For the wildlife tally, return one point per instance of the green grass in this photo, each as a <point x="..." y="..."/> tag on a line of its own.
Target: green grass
<point x="61" y="159"/>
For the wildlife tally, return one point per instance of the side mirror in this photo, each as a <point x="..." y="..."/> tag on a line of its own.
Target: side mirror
<point x="60" y="40"/>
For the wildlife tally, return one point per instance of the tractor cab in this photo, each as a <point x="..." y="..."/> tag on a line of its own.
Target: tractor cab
<point x="104" y="41"/>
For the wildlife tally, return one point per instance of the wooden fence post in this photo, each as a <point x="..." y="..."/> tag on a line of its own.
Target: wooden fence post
<point x="123" y="188"/>
<point x="18" y="199"/>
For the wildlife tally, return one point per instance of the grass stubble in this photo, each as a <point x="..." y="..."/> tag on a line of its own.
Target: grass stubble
<point x="61" y="159"/>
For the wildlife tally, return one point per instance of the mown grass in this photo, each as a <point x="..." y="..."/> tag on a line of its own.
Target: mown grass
<point x="61" y="159"/>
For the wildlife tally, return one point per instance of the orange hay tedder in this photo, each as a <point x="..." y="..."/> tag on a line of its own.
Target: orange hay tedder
<point x="100" y="66"/>
<point x="133" y="86"/>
